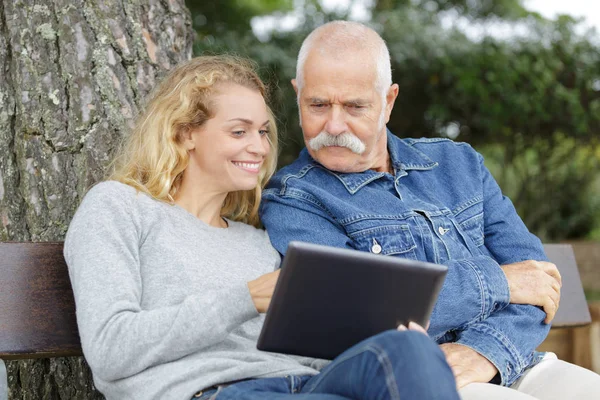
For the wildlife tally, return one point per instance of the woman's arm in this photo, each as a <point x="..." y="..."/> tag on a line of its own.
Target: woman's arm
<point x="119" y="337"/>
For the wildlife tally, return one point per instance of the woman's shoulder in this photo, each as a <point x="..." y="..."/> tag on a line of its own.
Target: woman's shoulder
<point x="114" y="193"/>
<point x="109" y="189"/>
<point x="109" y="199"/>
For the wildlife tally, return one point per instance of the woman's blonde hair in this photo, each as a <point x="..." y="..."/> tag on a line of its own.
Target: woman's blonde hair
<point x="152" y="159"/>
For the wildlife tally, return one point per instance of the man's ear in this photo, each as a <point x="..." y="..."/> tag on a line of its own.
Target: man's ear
<point x="390" y="99"/>
<point x="295" y="85"/>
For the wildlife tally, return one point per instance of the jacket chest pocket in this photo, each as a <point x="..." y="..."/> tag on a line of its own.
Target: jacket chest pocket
<point x="470" y="221"/>
<point x="386" y="240"/>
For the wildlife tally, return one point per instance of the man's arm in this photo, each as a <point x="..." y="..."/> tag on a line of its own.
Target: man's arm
<point x="508" y="336"/>
<point x="291" y="217"/>
<point x="299" y="216"/>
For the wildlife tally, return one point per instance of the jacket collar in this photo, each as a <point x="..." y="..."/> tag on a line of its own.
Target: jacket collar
<point x="403" y="157"/>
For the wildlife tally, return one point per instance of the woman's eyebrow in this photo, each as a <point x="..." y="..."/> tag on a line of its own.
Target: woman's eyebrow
<point x="246" y="121"/>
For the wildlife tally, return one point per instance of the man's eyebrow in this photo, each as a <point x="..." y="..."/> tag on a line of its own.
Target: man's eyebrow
<point x="351" y="102"/>
<point x="357" y="102"/>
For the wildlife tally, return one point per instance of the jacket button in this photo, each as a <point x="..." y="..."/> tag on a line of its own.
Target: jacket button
<point x="376" y="248"/>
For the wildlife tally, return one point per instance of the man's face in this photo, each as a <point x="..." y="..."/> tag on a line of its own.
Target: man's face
<point x="342" y="113"/>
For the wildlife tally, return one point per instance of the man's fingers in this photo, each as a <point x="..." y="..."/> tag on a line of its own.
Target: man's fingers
<point x="556" y="287"/>
<point x="462" y="377"/>
<point x="551" y="270"/>
<point x="550" y="308"/>
<point x="461" y="381"/>
<point x="551" y="301"/>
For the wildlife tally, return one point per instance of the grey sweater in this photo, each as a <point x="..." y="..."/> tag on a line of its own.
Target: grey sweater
<point x="162" y="303"/>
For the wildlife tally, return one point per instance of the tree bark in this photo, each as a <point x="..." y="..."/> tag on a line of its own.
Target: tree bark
<point x="72" y="78"/>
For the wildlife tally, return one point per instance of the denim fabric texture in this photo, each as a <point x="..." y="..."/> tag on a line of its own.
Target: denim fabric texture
<point x="440" y="205"/>
<point x="390" y="366"/>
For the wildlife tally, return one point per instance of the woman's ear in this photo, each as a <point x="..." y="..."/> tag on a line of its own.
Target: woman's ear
<point x="186" y="136"/>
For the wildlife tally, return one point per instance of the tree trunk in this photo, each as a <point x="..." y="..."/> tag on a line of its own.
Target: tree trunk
<point x="72" y="78"/>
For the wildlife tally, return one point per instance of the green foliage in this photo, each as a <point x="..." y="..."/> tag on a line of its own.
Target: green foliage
<point x="222" y="16"/>
<point x="554" y="186"/>
<point x="494" y="90"/>
<point x="532" y="105"/>
<point x="482" y="9"/>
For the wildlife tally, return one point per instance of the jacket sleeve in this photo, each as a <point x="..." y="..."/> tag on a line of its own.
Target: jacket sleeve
<point x="297" y="216"/>
<point x="509" y="336"/>
<point x="119" y="336"/>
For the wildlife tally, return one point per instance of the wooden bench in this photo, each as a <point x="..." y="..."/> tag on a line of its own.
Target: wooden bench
<point x="37" y="309"/>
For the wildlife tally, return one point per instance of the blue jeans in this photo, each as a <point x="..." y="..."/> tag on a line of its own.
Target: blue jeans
<point x="392" y="365"/>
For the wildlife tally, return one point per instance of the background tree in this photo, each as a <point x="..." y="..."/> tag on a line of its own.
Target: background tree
<point x="72" y="77"/>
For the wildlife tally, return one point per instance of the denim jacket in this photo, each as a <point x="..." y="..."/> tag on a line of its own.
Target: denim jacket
<point x="441" y="205"/>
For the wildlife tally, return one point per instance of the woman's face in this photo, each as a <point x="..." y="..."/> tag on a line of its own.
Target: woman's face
<point x="228" y="150"/>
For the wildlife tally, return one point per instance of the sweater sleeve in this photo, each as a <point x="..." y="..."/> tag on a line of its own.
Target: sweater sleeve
<point x="120" y="338"/>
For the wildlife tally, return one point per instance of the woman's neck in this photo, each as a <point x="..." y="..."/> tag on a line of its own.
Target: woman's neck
<point x="204" y="204"/>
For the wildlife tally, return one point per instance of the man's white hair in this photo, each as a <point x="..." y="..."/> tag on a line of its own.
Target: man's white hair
<point x="341" y="37"/>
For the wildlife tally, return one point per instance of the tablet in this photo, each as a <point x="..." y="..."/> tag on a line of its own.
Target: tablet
<point x="328" y="299"/>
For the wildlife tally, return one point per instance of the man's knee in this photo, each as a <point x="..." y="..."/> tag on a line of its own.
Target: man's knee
<point x="557" y="379"/>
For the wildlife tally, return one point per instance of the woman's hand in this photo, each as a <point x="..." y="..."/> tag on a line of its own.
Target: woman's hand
<point x="261" y="290"/>
<point x="413" y="326"/>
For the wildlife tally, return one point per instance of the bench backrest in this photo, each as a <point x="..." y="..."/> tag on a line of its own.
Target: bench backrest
<point x="37" y="310"/>
<point x="573" y="309"/>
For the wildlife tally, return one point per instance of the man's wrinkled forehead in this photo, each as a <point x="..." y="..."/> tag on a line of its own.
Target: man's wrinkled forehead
<point x="326" y="71"/>
<point x="344" y="54"/>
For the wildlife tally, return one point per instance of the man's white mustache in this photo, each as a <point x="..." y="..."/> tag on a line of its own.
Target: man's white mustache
<point x="347" y="139"/>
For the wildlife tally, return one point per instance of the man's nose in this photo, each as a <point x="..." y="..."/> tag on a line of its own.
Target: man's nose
<point x="336" y="121"/>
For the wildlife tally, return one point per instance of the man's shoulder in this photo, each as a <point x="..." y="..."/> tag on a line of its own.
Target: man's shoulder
<point x="436" y="144"/>
<point x="299" y="168"/>
<point x="440" y="149"/>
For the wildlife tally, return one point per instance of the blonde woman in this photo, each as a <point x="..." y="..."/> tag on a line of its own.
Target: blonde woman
<point x="172" y="277"/>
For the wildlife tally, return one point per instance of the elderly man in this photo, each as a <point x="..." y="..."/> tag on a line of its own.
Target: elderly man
<point x="358" y="186"/>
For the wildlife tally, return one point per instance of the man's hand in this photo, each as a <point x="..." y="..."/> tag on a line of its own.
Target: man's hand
<point x="261" y="290"/>
<point x="534" y="282"/>
<point x="468" y="365"/>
